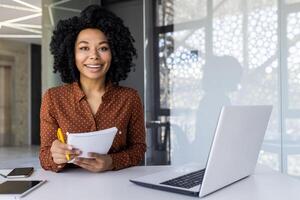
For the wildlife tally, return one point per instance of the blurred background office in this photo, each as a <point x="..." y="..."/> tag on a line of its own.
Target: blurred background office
<point x="193" y="57"/>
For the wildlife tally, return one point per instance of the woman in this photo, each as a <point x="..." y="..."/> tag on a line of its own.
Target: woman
<point x="92" y="53"/>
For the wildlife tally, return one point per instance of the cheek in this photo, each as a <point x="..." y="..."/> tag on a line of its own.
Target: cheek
<point x="79" y="58"/>
<point x="108" y="58"/>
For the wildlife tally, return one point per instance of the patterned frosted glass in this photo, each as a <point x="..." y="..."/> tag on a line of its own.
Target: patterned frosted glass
<point x="178" y="11"/>
<point x="291" y="150"/>
<point x="250" y="36"/>
<point x="235" y="55"/>
<point x="180" y="68"/>
<point x="269" y="159"/>
<point x="293" y="60"/>
<point x="242" y="68"/>
<point x="291" y="86"/>
<point x="293" y="165"/>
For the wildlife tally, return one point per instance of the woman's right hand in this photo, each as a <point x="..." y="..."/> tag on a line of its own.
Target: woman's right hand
<point x="59" y="151"/>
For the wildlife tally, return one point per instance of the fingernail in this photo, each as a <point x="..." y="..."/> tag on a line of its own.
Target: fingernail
<point x="70" y="147"/>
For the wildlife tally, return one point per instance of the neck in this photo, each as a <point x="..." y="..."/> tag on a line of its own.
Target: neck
<point x="91" y="86"/>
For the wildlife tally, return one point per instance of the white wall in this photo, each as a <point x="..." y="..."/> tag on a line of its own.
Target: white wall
<point x="16" y="55"/>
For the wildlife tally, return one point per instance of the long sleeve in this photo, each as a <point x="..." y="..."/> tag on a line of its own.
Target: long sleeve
<point x="48" y="133"/>
<point x="67" y="108"/>
<point x="136" y="145"/>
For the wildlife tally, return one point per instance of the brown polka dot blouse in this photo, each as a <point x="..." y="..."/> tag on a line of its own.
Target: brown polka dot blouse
<point x="66" y="107"/>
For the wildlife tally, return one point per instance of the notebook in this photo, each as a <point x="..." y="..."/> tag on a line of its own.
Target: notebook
<point x="96" y="142"/>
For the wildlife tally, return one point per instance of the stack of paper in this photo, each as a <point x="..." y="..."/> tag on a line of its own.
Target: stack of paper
<point x="96" y="142"/>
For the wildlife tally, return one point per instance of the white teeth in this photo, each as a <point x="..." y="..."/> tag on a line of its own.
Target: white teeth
<point x="94" y="66"/>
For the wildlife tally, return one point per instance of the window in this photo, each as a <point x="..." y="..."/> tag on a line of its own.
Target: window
<point x="222" y="52"/>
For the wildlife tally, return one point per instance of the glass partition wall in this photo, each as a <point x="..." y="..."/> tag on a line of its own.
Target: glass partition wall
<point x="210" y="53"/>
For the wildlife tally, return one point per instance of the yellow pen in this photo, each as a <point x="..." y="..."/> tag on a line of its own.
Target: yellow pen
<point x="61" y="138"/>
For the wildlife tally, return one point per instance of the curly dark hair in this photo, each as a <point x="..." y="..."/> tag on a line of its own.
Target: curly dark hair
<point x="119" y="38"/>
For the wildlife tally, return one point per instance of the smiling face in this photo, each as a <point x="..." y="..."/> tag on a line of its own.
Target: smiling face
<point x="92" y="54"/>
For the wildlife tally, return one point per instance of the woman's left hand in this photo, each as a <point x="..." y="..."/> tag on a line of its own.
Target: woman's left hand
<point x="98" y="163"/>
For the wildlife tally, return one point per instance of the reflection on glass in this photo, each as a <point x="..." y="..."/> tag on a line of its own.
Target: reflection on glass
<point x="250" y="35"/>
<point x="221" y="76"/>
<point x="246" y="32"/>
<point x="269" y="159"/>
<point x="245" y="40"/>
<point x="293" y="164"/>
<point x="292" y="131"/>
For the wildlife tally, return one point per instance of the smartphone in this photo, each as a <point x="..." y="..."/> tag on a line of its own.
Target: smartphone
<point x="20" y="172"/>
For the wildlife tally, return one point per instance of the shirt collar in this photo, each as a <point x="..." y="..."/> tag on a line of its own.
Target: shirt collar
<point x="110" y="87"/>
<point x="79" y="94"/>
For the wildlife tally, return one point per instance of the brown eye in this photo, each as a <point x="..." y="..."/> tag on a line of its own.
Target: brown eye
<point x="84" y="48"/>
<point x="103" y="49"/>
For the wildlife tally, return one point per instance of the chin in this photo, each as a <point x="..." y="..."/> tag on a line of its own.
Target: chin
<point x="95" y="77"/>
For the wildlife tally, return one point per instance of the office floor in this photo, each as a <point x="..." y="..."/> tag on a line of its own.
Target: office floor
<point x="11" y="157"/>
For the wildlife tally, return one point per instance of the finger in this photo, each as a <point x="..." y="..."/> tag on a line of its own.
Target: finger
<point x="101" y="159"/>
<point x="63" y="152"/>
<point x="66" y="151"/>
<point x="94" y="155"/>
<point x="65" y="147"/>
<point x="72" y="157"/>
<point x="59" y="156"/>
<point x="61" y="145"/>
<point x="59" y="161"/>
<point x="85" y="166"/>
<point x="64" y="156"/>
<point x="88" y="161"/>
<point x="74" y="152"/>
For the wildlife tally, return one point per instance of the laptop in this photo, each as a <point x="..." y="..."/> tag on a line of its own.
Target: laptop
<point x="233" y="155"/>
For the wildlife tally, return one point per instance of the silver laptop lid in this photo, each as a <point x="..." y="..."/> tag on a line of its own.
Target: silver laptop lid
<point x="236" y="145"/>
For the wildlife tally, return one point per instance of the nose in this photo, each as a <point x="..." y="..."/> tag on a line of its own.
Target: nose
<point x="94" y="54"/>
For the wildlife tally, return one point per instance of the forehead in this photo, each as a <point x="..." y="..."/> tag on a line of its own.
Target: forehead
<point x="91" y="35"/>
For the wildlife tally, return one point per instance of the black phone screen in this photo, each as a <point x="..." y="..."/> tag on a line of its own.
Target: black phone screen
<point x="17" y="187"/>
<point x="25" y="171"/>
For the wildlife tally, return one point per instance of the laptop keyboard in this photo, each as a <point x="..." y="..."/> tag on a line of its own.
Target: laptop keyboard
<point x="187" y="181"/>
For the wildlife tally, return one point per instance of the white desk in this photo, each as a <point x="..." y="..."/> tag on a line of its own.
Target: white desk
<point x="78" y="184"/>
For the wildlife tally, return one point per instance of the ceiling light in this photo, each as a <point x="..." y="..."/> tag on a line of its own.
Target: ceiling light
<point x="28" y="5"/>
<point x="19" y="36"/>
<point x="18" y="8"/>
<point x="16" y="22"/>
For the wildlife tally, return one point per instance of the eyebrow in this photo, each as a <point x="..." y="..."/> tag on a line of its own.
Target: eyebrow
<point x="85" y="42"/>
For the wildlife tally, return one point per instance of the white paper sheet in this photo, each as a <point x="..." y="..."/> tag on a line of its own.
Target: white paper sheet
<point x="97" y="141"/>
